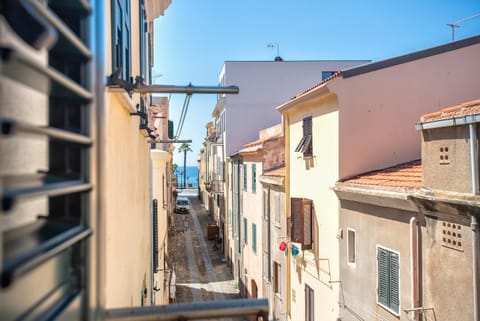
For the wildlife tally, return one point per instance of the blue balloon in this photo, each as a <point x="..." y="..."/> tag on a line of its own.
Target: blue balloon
<point x="295" y="250"/>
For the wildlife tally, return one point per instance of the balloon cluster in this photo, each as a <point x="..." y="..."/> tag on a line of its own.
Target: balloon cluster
<point x="284" y="246"/>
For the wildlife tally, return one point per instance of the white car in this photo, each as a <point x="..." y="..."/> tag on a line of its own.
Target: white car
<point x="182" y="205"/>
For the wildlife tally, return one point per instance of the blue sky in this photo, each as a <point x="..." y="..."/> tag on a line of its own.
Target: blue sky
<point x="195" y="37"/>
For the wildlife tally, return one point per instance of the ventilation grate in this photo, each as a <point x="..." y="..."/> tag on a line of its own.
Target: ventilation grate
<point x="444" y="157"/>
<point x="452" y="236"/>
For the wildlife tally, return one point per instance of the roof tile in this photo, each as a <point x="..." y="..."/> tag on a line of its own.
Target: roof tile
<point x="465" y="109"/>
<point x="408" y="175"/>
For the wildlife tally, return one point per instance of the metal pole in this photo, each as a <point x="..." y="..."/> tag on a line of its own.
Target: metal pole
<point x="192" y="311"/>
<point x="474" y="222"/>
<point x="189" y="90"/>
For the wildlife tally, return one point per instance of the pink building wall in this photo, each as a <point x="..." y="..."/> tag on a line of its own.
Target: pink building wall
<point x="378" y="110"/>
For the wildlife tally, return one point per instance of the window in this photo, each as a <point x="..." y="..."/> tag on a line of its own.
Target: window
<point x="388" y="267"/>
<point x="305" y="144"/>
<point x="351" y="246"/>
<point x="309" y="304"/>
<point x="254" y="178"/>
<point x="326" y="74"/>
<point x="121" y="37"/>
<point x="245" y="231"/>
<point x="254" y="237"/>
<point x="302" y="222"/>
<point x="276" y="200"/>
<point x="143" y="40"/>
<point x="276" y="277"/>
<point x="244" y="177"/>
<point x="266" y="265"/>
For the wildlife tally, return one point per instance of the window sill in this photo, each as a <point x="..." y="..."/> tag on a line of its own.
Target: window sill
<point x="389" y="310"/>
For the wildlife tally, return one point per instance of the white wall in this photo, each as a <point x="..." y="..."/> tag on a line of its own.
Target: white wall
<point x="263" y="86"/>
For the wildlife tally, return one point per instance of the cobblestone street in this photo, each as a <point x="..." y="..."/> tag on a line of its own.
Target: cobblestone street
<point x="201" y="273"/>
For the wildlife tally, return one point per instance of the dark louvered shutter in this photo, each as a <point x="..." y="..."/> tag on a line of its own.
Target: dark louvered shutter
<point x="307" y="225"/>
<point x="388" y="278"/>
<point x="394" y="286"/>
<point x="155" y="234"/>
<point x="383" y="276"/>
<point x="301" y="218"/>
<point x="307" y="133"/>
<point x="297" y="219"/>
<point x="45" y="261"/>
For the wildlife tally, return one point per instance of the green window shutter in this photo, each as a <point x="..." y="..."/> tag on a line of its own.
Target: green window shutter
<point x="388" y="279"/>
<point x="170" y="129"/>
<point x="254" y="237"/>
<point x="254" y="178"/>
<point x="244" y="177"/>
<point x="394" y="286"/>
<point x="383" y="276"/>
<point x="245" y="231"/>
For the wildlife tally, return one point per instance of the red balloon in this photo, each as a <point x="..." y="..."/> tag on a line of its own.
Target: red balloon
<point x="283" y="246"/>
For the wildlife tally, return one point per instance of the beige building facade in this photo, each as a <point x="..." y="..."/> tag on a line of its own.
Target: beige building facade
<point x="406" y="229"/>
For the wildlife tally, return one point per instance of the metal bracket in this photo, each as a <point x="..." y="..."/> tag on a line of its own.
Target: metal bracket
<point x="140" y="87"/>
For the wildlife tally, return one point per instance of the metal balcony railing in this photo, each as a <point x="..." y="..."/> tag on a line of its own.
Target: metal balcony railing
<point x="215" y="310"/>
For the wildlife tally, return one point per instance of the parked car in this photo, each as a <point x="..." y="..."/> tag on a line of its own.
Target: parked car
<point x="182" y="205"/>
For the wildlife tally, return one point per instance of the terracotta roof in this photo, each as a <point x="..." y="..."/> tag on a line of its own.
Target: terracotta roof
<point x="276" y="172"/>
<point x="465" y="109"/>
<point x="254" y="143"/>
<point x="408" y="175"/>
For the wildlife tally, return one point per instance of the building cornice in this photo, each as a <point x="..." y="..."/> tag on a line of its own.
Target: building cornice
<point x="315" y="93"/>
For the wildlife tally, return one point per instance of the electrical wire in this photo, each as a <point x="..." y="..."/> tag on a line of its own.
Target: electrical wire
<point x="183" y="115"/>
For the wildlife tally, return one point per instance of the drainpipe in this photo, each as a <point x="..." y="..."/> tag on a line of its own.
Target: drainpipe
<point x="414" y="251"/>
<point x="474" y="222"/>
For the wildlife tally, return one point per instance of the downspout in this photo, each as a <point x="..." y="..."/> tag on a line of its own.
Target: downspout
<point x="474" y="222"/>
<point x="414" y="271"/>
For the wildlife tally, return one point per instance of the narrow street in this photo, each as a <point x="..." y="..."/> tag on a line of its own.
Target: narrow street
<point x="201" y="273"/>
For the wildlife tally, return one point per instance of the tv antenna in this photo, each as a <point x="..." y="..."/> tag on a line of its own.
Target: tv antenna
<point x="275" y="45"/>
<point x="456" y="24"/>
